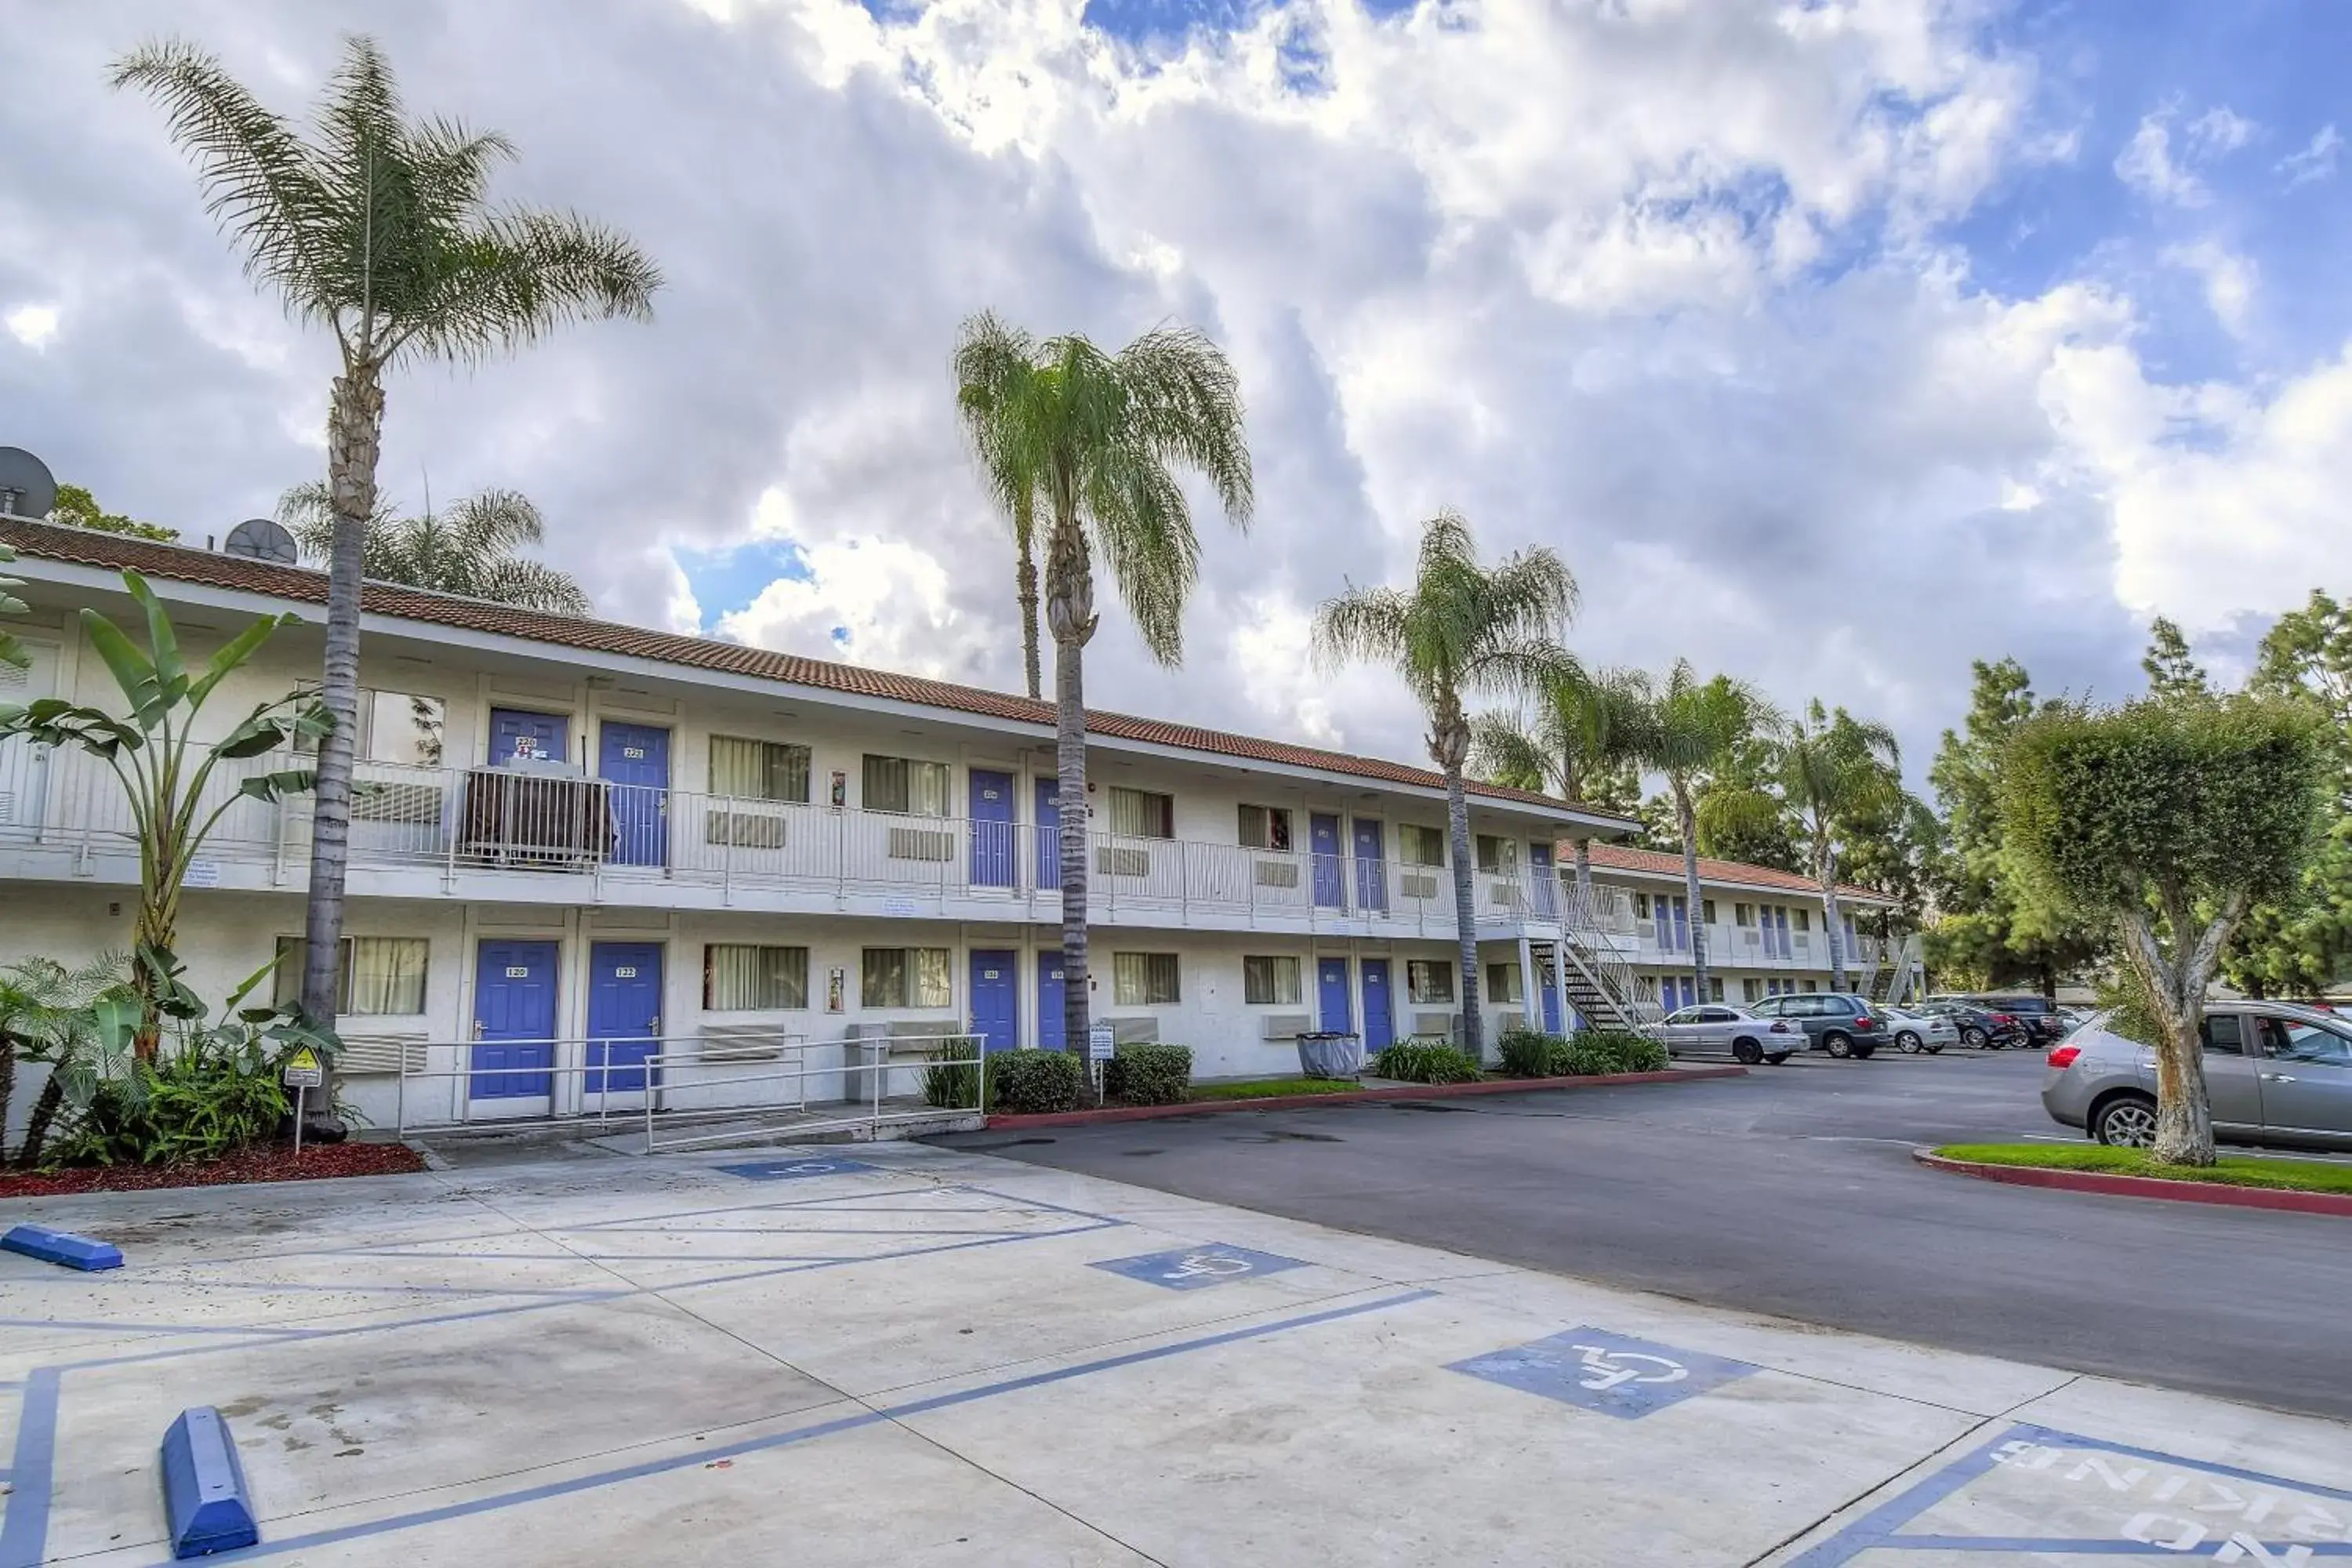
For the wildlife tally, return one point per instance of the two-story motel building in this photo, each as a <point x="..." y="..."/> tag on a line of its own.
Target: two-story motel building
<point x="574" y="843"/>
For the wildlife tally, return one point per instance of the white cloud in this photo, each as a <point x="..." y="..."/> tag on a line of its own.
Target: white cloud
<point x="2316" y="160"/>
<point x="2228" y="278"/>
<point x="2146" y="165"/>
<point x="2219" y="131"/>
<point x="32" y="325"/>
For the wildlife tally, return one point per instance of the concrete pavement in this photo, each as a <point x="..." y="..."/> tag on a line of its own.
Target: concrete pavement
<point x="908" y="1355"/>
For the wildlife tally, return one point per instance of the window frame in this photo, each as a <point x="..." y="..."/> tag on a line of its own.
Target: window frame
<point x="710" y="951"/>
<point x="286" y="981"/>
<point x="1145" y="800"/>
<point x="1297" y="976"/>
<point x="1142" y="969"/>
<point x="911" y="975"/>
<point x="1419" y="971"/>
<point x="769" y="750"/>
<point x="1412" y="840"/>
<point x="944" y="771"/>
<point x="1274" y="822"/>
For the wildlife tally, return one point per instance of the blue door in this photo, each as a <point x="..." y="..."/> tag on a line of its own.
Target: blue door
<point x="996" y="997"/>
<point x="1546" y="885"/>
<point x="514" y="1020"/>
<point x="1323" y="844"/>
<point x="1682" y="928"/>
<point x="625" y="1001"/>
<point x="1547" y="976"/>
<point x="1331" y="994"/>
<point x="1372" y="868"/>
<point x="1379" y="1018"/>
<point x="635" y="760"/>
<point x="1050" y="1034"/>
<point x="1049" y="837"/>
<point x="514" y="733"/>
<point x="992" y="829"/>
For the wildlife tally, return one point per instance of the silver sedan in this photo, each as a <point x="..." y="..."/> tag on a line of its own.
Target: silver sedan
<point x="2275" y="1073"/>
<point x="1917" y="1032"/>
<point x="1717" y="1028"/>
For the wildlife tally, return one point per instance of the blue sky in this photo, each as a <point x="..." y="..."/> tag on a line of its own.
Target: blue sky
<point x="1837" y="343"/>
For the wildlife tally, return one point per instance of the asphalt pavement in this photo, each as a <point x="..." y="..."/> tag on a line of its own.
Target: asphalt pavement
<point x="1791" y="1193"/>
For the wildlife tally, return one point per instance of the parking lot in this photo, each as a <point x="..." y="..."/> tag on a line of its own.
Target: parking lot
<point x="903" y="1354"/>
<point x="1792" y="1190"/>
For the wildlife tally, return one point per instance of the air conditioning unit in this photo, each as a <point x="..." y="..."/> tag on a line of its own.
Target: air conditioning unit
<point x="1444" y="1024"/>
<point x="1277" y="873"/>
<point x="368" y="1056"/>
<point x="1283" y="1025"/>
<point x="1134" y="1031"/>
<point x="1506" y="895"/>
<point x="1118" y="860"/>
<point x="1418" y="884"/>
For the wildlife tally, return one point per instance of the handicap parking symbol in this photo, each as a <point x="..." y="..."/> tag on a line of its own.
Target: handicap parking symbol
<point x="1197" y="1268"/>
<point x="1615" y="1375"/>
<point x="793" y="1169"/>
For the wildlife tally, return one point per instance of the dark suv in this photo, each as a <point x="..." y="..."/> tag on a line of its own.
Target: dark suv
<point x="1837" y="1022"/>
<point x="2038" y="1014"/>
<point x="1979" y="1025"/>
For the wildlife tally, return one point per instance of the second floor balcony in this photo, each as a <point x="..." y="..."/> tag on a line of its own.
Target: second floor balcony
<point x="555" y="835"/>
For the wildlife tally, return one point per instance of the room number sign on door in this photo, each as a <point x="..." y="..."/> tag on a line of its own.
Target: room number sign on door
<point x="624" y="972"/>
<point x="518" y="971"/>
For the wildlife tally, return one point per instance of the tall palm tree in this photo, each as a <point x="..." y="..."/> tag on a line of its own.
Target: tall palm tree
<point x="469" y="548"/>
<point x="1836" y="770"/>
<point x="1690" y="727"/>
<point x="378" y="228"/>
<point x="1581" y="733"/>
<point x="1461" y="628"/>
<point x="1086" y="442"/>
<point x="1025" y="589"/>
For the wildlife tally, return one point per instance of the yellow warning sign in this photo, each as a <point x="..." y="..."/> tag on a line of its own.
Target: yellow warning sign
<point x="302" y="1070"/>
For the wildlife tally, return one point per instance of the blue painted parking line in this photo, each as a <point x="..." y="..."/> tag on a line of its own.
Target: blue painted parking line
<point x="1197" y="1268"/>
<point x="2100" y="1500"/>
<point x="794" y="1170"/>
<point x="1612" y="1373"/>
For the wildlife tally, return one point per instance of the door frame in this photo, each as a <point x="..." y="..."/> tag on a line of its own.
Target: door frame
<point x="605" y="725"/>
<point x="596" y="1053"/>
<point x="515" y="1105"/>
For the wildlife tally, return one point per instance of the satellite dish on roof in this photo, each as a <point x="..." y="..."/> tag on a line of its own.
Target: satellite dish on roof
<point x="258" y="539"/>
<point x="26" y="489"/>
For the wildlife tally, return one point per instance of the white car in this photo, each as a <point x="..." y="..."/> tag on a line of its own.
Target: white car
<point x="1717" y="1028"/>
<point x="1917" y="1032"/>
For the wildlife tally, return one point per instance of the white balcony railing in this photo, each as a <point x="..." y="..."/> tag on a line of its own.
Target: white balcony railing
<point x="557" y="826"/>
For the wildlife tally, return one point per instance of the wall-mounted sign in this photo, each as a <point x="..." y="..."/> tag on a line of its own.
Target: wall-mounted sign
<point x="840" y="787"/>
<point x="837" y="988"/>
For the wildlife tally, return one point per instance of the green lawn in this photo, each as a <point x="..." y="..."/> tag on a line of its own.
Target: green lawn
<point x="2234" y="1170"/>
<point x="1260" y="1087"/>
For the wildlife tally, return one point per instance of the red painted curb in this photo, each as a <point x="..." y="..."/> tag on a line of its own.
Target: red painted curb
<point x="2144" y="1186"/>
<point x="1355" y="1097"/>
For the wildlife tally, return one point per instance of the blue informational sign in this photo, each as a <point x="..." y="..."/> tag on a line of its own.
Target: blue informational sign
<point x="794" y="1170"/>
<point x="1197" y="1268"/>
<point x="1612" y="1373"/>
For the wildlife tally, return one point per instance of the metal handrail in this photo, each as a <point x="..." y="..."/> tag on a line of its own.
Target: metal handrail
<point x="714" y="1052"/>
<point x="875" y="1119"/>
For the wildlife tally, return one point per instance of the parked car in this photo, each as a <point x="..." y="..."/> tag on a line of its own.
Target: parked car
<point x="1917" y="1032"/>
<point x="2275" y="1073"/>
<point x="2044" y="1023"/>
<point x="1979" y="1027"/>
<point x="1718" y="1028"/>
<point x="1838" y="1022"/>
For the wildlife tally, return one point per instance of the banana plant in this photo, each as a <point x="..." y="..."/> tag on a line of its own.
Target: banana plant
<point x="12" y="652"/>
<point x="166" y="771"/>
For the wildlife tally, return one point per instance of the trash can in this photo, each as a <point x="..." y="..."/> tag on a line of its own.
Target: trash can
<point x="1331" y="1053"/>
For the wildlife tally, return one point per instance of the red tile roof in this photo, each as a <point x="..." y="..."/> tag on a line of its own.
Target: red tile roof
<point x="1656" y="862"/>
<point x="180" y="563"/>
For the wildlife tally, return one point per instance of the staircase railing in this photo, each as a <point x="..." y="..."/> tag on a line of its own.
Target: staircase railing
<point x="1600" y="980"/>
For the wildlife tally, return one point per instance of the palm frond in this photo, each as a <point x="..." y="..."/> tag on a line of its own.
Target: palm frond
<point x="518" y="276"/>
<point x="1504" y="749"/>
<point x="1371" y="626"/>
<point x="533" y="586"/>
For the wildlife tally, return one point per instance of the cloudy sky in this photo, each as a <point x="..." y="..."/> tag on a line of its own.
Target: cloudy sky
<point x="1832" y="342"/>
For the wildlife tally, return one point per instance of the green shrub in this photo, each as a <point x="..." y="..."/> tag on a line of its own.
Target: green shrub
<point x="1411" y="1063"/>
<point x="203" y="1100"/>
<point x="1148" y="1075"/>
<point x="1528" y="1053"/>
<point x="1034" y="1082"/>
<point x="1603" y="1053"/>
<point x="950" y="1083"/>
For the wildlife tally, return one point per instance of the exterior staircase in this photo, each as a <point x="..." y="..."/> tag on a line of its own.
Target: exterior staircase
<point x="1896" y="981"/>
<point x="1598" y="982"/>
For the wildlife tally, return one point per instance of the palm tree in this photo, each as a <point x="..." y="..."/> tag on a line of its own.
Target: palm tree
<point x="1085" y="442"/>
<point x="1690" y="727"/>
<point x="468" y="549"/>
<point x="1835" y="770"/>
<point x="1459" y="629"/>
<point x="1583" y="731"/>
<point x="379" y="228"/>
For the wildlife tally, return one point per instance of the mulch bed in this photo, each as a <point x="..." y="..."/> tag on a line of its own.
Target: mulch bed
<point x="270" y="1162"/>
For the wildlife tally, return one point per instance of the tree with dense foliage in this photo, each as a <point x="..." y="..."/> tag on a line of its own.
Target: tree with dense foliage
<point x="1576" y="740"/>
<point x="2171" y="670"/>
<point x="1733" y="824"/>
<point x="468" y="549"/>
<point x="1837" y="773"/>
<point x="1993" y="926"/>
<point x="166" y="774"/>
<point x="76" y="507"/>
<point x="1089" y="443"/>
<point x="2166" y="819"/>
<point x="1460" y="630"/>
<point x="378" y="228"/>
<point x="1689" y="731"/>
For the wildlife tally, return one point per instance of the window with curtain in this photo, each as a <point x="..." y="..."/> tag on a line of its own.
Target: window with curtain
<point x="899" y="784"/>
<point x="1428" y="979"/>
<point x="1142" y="814"/>
<point x="1503" y="982"/>
<point x="1271" y="982"/>
<point x="1265" y="827"/>
<point x="1143" y="980"/>
<point x="1419" y="846"/>
<point x="745" y="978"/>
<point x="375" y="976"/>
<point x="904" y="977"/>
<point x="759" y="770"/>
<point x="1498" y="855"/>
<point x="1803" y="920"/>
<point x="397" y="727"/>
